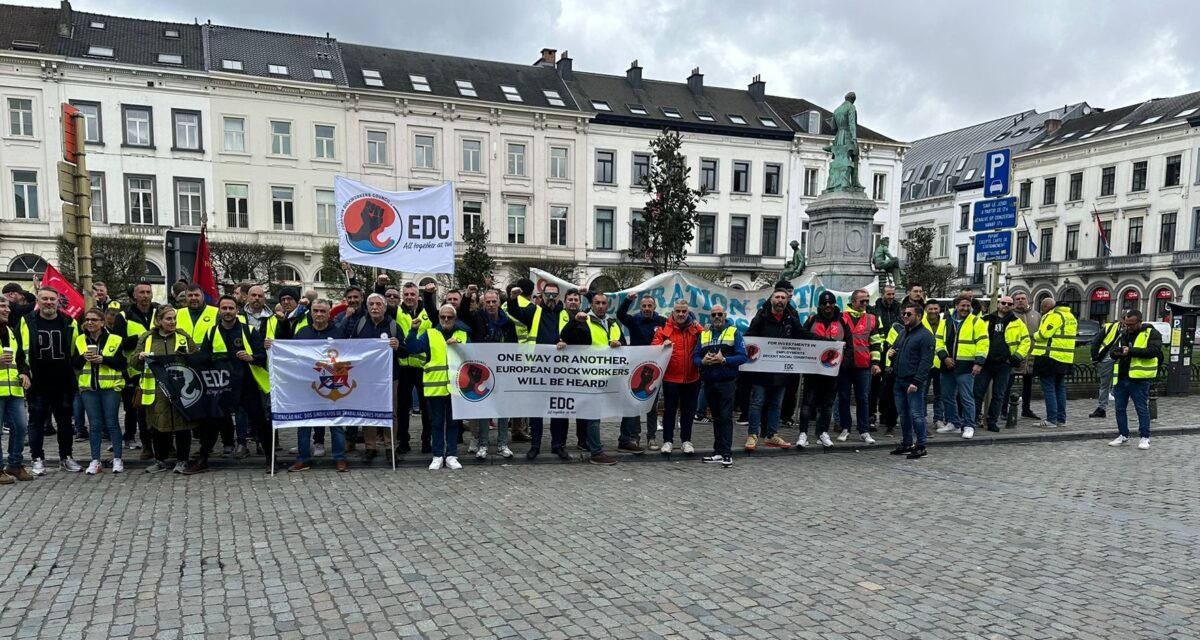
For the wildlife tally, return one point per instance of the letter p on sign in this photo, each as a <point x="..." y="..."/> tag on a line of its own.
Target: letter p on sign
<point x="997" y="167"/>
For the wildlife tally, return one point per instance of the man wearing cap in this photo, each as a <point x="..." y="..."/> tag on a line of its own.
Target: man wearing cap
<point x="1008" y="346"/>
<point x="20" y="303"/>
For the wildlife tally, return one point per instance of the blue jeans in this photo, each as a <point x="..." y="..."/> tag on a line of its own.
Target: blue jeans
<point x="303" y="444"/>
<point x="443" y="428"/>
<point x="995" y="374"/>
<point x="1139" y="392"/>
<point x="79" y="413"/>
<point x="631" y="426"/>
<point x="959" y="388"/>
<point x="770" y="397"/>
<point x="102" y="407"/>
<point x="12" y="413"/>
<point x="860" y="380"/>
<point x="939" y="409"/>
<point x="1054" y="388"/>
<point x="481" y="432"/>
<point x="593" y="436"/>
<point x="910" y="407"/>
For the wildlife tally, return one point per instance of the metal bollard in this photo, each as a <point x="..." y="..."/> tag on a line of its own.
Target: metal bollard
<point x="1014" y="404"/>
<point x="1153" y="401"/>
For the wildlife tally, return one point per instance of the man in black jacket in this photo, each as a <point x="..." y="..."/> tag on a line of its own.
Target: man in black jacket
<point x="766" y="391"/>
<point x="910" y="358"/>
<point x="1136" y="354"/>
<point x="641" y="329"/>
<point x="491" y="324"/>
<point x="887" y="310"/>
<point x="50" y="336"/>
<point x="544" y="321"/>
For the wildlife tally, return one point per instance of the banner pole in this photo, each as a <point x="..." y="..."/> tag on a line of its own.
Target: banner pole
<point x="393" y="430"/>
<point x="272" y="452"/>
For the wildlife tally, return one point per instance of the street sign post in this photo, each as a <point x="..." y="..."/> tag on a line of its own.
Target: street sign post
<point x="994" y="246"/>
<point x="997" y="168"/>
<point x="991" y="215"/>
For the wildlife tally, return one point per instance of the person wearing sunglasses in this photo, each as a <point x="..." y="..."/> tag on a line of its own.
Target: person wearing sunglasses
<point x="1008" y="346"/>
<point x="544" y="321"/>
<point x="777" y="320"/>
<point x="719" y="352"/>
<point x="908" y="360"/>
<point x="433" y="344"/>
<point x="598" y="329"/>
<point x="820" y="392"/>
<point x="100" y="362"/>
<point x="681" y="381"/>
<point x="962" y="348"/>
<point x="641" y="329"/>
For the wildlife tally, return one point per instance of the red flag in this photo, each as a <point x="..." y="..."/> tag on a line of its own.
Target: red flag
<point x="202" y="272"/>
<point x="70" y="301"/>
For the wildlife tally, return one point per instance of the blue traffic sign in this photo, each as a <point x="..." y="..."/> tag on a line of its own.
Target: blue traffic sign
<point x="996" y="170"/>
<point x="995" y="214"/>
<point x="993" y="247"/>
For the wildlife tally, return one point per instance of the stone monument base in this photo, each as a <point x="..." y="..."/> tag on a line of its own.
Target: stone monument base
<point x="839" y="239"/>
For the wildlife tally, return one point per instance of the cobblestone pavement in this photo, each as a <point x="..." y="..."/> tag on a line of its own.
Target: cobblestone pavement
<point x="1051" y="540"/>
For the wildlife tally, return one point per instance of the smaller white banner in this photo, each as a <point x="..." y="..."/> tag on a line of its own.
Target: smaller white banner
<point x="781" y="355"/>
<point x="331" y="383"/>
<point x="410" y="231"/>
<point x="540" y="381"/>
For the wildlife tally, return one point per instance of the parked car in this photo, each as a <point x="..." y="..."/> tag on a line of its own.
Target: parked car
<point x="1086" y="331"/>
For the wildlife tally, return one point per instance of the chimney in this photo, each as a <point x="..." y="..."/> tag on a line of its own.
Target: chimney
<point x="634" y="75"/>
<point x="64" y="19"/>
<point x="564" y="66"/>
<point x="758" y="89"/>
<point x="547" y="59"/>
<point x="1052" y="125"/>
<point x="696" y="82"/>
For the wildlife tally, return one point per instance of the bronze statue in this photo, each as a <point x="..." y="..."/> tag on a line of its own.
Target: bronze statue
<point x="883" y="260"/>
<point x="794" y="267"/>
<point x="843" y="168"/>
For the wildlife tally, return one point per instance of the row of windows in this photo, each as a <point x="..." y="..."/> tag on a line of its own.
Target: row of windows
<point x="1172" y="176"/>
<point x="705" y="234"/>
<point x="1136" y="241"/>
<point x="137" y="126"/>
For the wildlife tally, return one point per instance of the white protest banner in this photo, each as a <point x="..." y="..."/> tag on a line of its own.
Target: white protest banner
<point x="409" y="231"/>
<point x="672" y="286"/>
<point x="783" y="355"/>
<point x="520" y="380"/>
<point x="321" y="383"/>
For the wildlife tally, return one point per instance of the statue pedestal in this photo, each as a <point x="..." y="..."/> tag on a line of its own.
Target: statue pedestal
<point x="839" y="239"/>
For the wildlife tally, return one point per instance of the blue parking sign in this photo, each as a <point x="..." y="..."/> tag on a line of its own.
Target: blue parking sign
<point x="996" y="170"/>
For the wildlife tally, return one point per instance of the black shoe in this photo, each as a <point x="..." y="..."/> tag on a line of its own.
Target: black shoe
<point x="901" y="450"/>
<point x="992" y="427"/>
<point x="520" y="437"/>
<point x="561" y="452"/>
<point x="532" y="453"/>
<point x="919" y="452"/>
<point x="403" y="448"/>
<point x="1030" y="414"/>
<point x="426" y="448"/>
<point x="1098" y="413"/>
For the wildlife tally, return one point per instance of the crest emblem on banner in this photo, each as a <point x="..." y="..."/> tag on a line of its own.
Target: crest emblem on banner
<point x="475" y="381"/>
<point x="334" y="377"/>
<point x="831" y="358"/>
<point x="190" y="385"/>
<point x="372" y="225"/>
<point x="641" y="383"/>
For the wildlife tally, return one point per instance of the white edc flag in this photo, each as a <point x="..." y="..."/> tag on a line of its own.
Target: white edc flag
<point x="410" y="231"/>
<point x="319" y="383"/>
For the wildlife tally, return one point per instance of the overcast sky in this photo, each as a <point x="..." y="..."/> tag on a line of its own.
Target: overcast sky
<point x="918" y="67"/>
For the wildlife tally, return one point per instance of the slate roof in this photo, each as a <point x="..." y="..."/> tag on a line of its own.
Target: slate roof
<point x="654" y="95"/>
<point x="29" y="24"/>
<point x="1181" y="109"/>
<point x="793" y="110"/>
<point x="258" y="50"/>
<point x="927" y="155"/>
<point x="1023" y="133"/>
<point x="136" y="42"/>
<point x="443" y="72"/>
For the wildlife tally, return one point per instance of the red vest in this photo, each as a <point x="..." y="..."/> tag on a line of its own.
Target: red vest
<point x="832" y="331"/>
<point x="860" y="332"/>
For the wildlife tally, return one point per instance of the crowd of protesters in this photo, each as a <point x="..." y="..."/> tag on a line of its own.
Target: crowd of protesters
<point x="76" y="377"/>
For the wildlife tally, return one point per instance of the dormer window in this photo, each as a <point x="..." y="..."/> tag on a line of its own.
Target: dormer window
<point x="705" y="116"/>
<point x="466" y="88"/>
<point x="170" y="58"/>
<point x="768" y="122"/>
<point x="96" y="24"/>
<point x="600" y="105"/>
<point x="25" y="45"/>
<point x="671" y="112"/>
<point x="371" y="78"/>
<point x="553" y="98"/>
<point x="637" y="109"/>
<point x="100" y="52"/>
<point x="232" y="65"/>
<point x="277" y="69"/>
<point x="419" y="83"/>
<point x="322" y="74"/>
<point x="735" y="118"/>
<point x="510" y="93"/>
<point x="171" y="33"/>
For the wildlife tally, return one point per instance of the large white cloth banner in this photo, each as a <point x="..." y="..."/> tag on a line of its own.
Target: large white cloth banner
<point x="320" y="383"/>
<point x="782" y="355"/>
<point x="410" y="231"/>
<point x="672" y="286"/>
<point x="514" y="380"/>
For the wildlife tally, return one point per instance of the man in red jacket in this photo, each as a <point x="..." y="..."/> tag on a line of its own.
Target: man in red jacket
<point x="681" y="382"/>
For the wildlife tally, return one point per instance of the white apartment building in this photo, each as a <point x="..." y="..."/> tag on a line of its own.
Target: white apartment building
<point x="1133" y="172"/>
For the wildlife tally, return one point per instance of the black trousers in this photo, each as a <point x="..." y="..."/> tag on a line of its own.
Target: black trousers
<point x="820" y="394"/>
<point x="558" y="432"/>
<point x="741" y="396"/>
<point x="411" y="378"/>
<point x="251" y="401"/>
<point x="720" y="396"/>
<point x="791" y="397"/>
<point x="42" y="404"/>
<point x="161" y="443"/>
<point x="885" y="401"/>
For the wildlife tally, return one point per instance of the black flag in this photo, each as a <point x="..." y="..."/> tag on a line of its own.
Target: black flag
<point x="199" y="387"/>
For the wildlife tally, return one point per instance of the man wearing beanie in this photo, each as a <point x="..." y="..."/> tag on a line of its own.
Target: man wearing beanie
<point x="820" y="391"/>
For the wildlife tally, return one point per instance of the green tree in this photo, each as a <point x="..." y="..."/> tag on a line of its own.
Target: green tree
<point x="475" y="266"/>
<point x="235" y="262"/>
<point x="116" y="261"/>
<point x="919" y="267"/>
<point x="669" y="218"/>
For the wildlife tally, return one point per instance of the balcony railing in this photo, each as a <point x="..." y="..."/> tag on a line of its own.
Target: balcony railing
<point x="1040" y="268"/>
<point x="743" y="261"/>
<point x="1186" y="258"/>
<point x="1115" y="263"/>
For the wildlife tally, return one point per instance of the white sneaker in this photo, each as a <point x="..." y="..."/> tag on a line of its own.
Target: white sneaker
<point x="843" y="435"/>
<point x="70" y="465"/>
<point x="802" y="441"/>
<point x="1143" y="443"/>
<point x="318" y="451"/>
<point x="505" y="452"/>
<point x="481" y="453"/>
<point x="666" y="448"/>
<point x="825" y="441"/>
<point x="866" y="438"/>
<point x="1046" y="424"/>
<point x="436" y="464"/>
<point x="938" y="424"/>
<point x="94" y="468"/>
<point x="452" y="463"/>
<point x="947" y="428"/>
<point x="118" y="465"/>
<point x="294" y="450"/>
<point x="1118" y="441"/>
<point x="968" y="433"/>
<point x="472" y="445"/>
<point x="39" y="467"/>
<point x="688" y="448"/>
